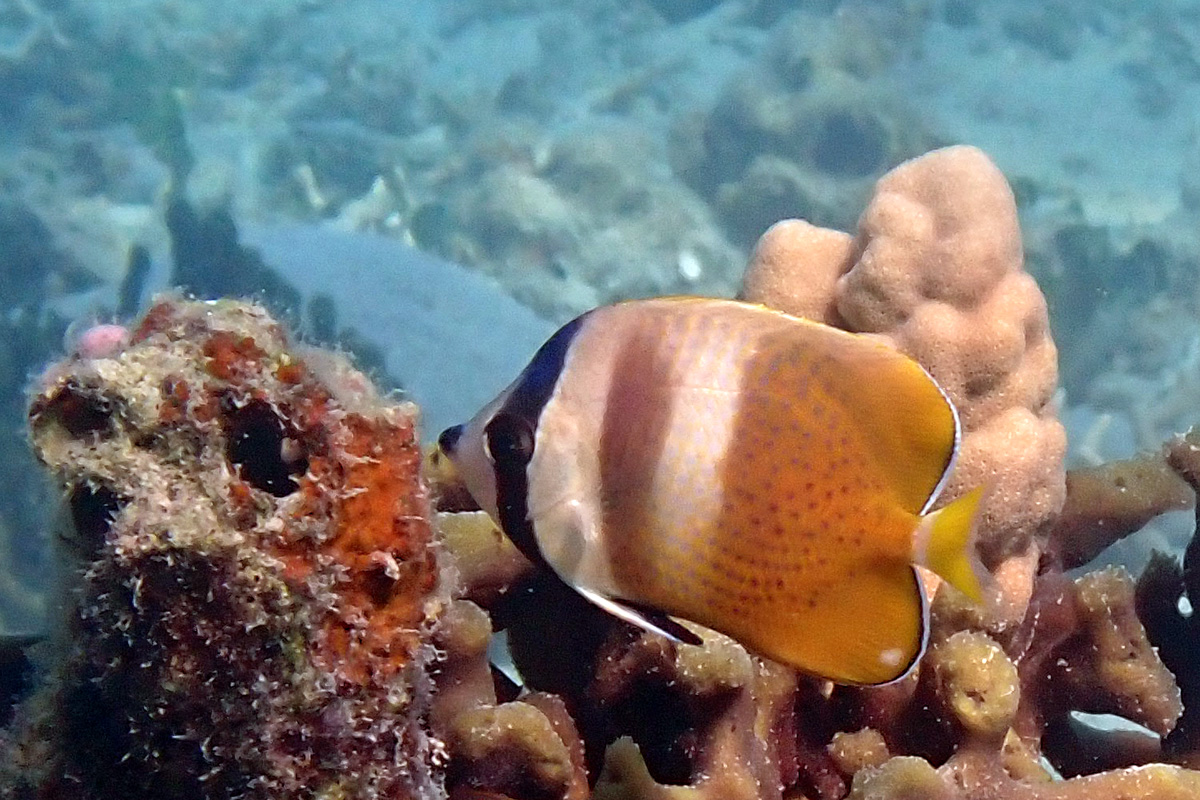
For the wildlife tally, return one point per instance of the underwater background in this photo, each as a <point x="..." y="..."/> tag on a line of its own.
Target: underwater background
<point x="256" y="548"/>
<point x="434" y="186"/>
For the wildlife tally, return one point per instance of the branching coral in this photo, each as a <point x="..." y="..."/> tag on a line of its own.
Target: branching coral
<point x="1168" y="594"/>
<point x="1108" y="502"/>
<point x="528" y="748"/>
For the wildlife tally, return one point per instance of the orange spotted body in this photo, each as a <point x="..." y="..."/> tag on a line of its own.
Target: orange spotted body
<point x="754" y="473"/>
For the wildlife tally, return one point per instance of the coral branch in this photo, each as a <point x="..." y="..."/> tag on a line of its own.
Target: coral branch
<point x="1108" y="502"/>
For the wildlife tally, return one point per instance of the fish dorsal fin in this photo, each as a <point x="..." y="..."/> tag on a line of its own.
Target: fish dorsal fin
<point x="643" y="617"/>
<point x="908" y="421"/>
<point x="914" y="426"/>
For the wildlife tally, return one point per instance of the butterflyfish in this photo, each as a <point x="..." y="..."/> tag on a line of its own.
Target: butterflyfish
<point x="762" y="475"/>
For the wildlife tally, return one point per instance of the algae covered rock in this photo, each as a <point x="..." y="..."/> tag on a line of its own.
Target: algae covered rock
<point x="254" y="577"/>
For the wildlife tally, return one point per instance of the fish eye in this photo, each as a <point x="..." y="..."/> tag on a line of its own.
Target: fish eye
<point x="509" y="440"/>
<point x="449" y="438"/>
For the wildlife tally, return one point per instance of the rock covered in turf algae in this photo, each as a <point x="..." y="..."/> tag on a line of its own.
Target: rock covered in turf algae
<point x="256" y="579"/>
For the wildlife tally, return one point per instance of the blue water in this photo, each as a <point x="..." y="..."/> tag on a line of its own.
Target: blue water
<point x="572" y="153"/>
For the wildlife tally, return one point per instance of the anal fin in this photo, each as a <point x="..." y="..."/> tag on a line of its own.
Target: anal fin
<point x="647" y="619"/>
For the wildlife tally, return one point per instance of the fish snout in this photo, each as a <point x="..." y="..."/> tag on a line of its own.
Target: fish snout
<point x="449" y="439"/>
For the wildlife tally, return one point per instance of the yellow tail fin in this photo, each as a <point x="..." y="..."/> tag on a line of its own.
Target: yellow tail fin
<point x="946" y="544"/>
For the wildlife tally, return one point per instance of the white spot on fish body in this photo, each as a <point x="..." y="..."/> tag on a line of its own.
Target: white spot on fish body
<point x="891" y="657"/>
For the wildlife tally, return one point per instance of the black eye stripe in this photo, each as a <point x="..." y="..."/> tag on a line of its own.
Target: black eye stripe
<point x="509" y="437"/>
<point x="540" y="377"/>
<point x="510" y="442"/>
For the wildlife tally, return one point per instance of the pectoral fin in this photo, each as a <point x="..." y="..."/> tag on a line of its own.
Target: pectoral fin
<point x="645" y="618"/>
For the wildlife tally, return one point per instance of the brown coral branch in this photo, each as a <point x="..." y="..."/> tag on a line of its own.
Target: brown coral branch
<point x="1164" y="589"/>
<point x="1106" y="503"/>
